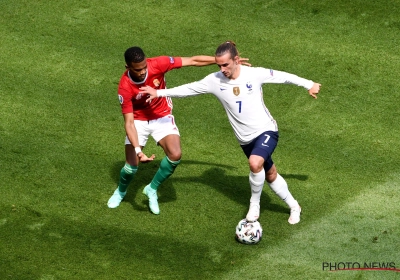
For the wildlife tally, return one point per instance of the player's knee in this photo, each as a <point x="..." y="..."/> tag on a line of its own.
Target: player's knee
<point x="175" y="156"/>
<point x="255" y="166"/>
<point x="169" y="164"/>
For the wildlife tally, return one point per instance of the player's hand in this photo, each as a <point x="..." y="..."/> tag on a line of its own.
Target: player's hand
<point x="243" y="61"/>
<point x="151" y="92"/>
<point x="314" y="90"/>
<point x="143" y="158"/>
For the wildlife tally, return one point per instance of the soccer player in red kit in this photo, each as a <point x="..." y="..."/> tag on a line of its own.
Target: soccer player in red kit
<point x="143" y="119"/>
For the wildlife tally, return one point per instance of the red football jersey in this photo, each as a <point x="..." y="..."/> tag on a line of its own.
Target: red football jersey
<point x="133" y="102"/>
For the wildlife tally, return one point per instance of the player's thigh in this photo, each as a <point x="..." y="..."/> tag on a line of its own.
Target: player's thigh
<point x="163" y="127"/>
<point x="143" y="129"/>
<point x="260" y="150"/>
<point x="265" y="144"/>
<point x="166" y="134"/>
<point x="171" y="145"/>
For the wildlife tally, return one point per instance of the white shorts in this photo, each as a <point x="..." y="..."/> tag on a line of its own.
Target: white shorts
<point x="158" y="129"/>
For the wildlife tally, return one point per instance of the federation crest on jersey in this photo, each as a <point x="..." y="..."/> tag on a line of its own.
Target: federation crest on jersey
<point x="236" y="91"/>
<point x="249" y="85"/>
<point x="121" y="99"/>
<point x="156" y="83"/>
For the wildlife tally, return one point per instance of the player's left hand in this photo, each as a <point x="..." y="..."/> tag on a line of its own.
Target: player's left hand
<point x="151" y="92"/>
<point x="143" y="158"/>
<point x="314" y="90"/>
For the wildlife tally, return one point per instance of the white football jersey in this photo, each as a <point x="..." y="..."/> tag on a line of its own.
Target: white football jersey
<point x="242" y="98"/>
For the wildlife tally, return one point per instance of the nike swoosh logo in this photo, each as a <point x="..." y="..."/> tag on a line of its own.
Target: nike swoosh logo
<point x="222" y="89"/>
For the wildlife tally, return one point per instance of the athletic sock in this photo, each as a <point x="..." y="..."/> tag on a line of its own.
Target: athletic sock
<point x="126" y="176"/>
<point x="256" y="184"/>
<point x="280" y="187"/>
<point x="167" y="167"/>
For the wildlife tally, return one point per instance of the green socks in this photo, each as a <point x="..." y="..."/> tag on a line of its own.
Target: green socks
<point x="125" y="177"/>
<point x="165" y="170"/>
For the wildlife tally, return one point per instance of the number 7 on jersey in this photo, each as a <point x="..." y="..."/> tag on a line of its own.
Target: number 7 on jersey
<point x="240" y="106"/>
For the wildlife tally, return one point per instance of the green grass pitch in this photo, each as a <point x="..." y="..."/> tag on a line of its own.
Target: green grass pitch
<point x="61" y="142"/>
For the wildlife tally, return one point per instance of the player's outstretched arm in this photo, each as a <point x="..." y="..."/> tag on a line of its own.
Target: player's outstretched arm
<point x="314" y="90"/>
<point x="203" y="60"/>
<point x="243" y="61"/>
<point x="198" y="60"/>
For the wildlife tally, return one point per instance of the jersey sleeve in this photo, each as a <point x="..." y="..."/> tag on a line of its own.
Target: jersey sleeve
<point x="280" y="77"/>
<point x="125" y="95"/>
<point x="168" y="63"/>
<point x="125" y="100"/>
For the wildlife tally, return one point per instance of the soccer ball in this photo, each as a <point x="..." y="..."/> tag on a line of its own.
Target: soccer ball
<point x="248" y="232"/>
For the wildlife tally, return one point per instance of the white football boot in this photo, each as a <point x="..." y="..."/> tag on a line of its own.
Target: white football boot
<point x="294" y="215"/>
<point x="254" y="212"/>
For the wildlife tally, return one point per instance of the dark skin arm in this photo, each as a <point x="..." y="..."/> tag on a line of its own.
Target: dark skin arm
<point x="131" y="132"/>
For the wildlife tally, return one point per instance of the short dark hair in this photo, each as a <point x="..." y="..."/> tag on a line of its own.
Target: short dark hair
<point x="134" y="54"/>
<point x="228" y="46"/>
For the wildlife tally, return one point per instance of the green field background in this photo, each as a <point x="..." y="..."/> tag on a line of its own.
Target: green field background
<point x="62" y="135"/>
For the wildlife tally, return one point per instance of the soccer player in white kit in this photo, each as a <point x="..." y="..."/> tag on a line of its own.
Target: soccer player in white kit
<point x="239" y="89"/>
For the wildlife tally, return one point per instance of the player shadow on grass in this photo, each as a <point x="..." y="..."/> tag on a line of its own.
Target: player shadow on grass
<point x="234" y="187"/>
<point x="237" y="188"/>
<point x="145" y="174"/>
